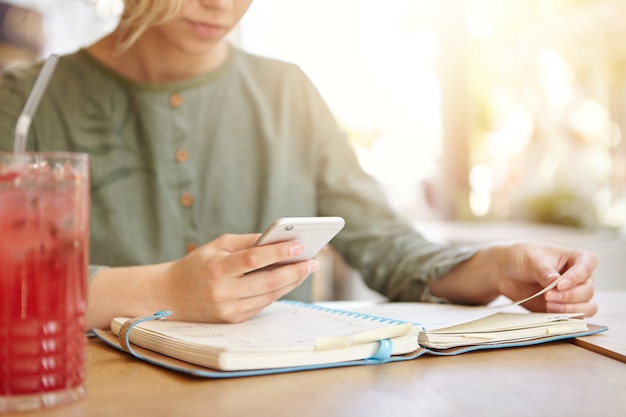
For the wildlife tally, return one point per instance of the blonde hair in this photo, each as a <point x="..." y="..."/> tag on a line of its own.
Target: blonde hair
<point x="140" y="15"/>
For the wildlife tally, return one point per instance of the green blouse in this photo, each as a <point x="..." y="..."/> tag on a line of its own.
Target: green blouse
<point x="174" y="165"/>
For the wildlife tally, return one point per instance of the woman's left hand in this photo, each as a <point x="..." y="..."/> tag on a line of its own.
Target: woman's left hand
<point x="527" y="268"/>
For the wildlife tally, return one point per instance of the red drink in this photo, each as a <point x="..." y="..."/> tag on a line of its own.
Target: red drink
<point x="44" y="247"/>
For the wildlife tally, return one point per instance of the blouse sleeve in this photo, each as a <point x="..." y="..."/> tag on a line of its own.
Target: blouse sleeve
<point x="391" y="255"/>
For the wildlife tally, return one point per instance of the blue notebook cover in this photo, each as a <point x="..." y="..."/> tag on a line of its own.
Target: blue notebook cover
<point x="382" y="355"/>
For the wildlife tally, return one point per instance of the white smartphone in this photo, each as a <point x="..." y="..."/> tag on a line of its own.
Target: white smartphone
<point x="313" y="232"/>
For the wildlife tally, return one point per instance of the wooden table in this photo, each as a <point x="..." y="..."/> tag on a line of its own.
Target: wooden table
<point x="554" y="380"/>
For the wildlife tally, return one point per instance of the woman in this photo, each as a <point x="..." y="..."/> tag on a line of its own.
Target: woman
<point x="194" y="141"/>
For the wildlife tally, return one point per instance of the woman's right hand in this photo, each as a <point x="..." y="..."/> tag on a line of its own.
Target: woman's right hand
<point x="226" y="280"/>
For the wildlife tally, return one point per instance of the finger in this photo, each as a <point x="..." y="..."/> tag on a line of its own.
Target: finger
<point x="574" y="300"/>
<point x="234" y="243"/>
<point x="259" y="302"/>
<point x="244" y="308"/>
<point x="582" y="266"/>
<point x="269" y="281"/>
<point x="542" y="273"/>
<point x="589" y="308"/>
<point x="236" y="263"/>
<point x="259" y="257"/>
<point x="580" y="293"/>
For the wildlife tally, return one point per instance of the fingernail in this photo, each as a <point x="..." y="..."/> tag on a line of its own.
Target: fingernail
<point x="564" y="284"/>
<point x="313" y="266"/>
<point x="554" y="296"/>
<point x="555" y="307"/>
<point x="553" y="276"/>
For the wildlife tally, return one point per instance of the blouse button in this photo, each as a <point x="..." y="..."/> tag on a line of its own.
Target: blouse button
<point x="176" y="100"/>
<point x="186" y="199"/>
<point x="181" y="155"/>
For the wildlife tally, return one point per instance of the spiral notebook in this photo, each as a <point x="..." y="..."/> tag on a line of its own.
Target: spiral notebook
<point x="287" y="336"/>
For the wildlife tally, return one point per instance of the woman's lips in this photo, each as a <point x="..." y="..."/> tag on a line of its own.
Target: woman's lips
<point x="206" y="30"/>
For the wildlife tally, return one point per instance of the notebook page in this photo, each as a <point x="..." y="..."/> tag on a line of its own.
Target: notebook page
<point x="431" y="316"/>
<point x="283" y="325"/>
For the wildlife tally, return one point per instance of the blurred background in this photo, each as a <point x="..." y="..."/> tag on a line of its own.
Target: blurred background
<point x="483" y="119"/>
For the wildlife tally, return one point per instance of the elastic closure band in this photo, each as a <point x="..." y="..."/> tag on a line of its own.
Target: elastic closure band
<point x="383" y="354"/>
<point x="129" y="324"/>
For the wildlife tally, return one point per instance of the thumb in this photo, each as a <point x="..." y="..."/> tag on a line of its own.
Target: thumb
<point x="546" y="277"/>
<point x="544" y="273"/>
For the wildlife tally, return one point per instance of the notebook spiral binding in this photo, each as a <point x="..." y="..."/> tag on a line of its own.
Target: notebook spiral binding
<point x="344" y="312"/>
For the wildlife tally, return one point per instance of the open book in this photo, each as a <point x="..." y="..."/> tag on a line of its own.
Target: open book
<point x="292" y="336"/>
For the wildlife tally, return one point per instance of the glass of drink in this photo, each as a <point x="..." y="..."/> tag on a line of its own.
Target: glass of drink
<point x="44" y="256"/>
